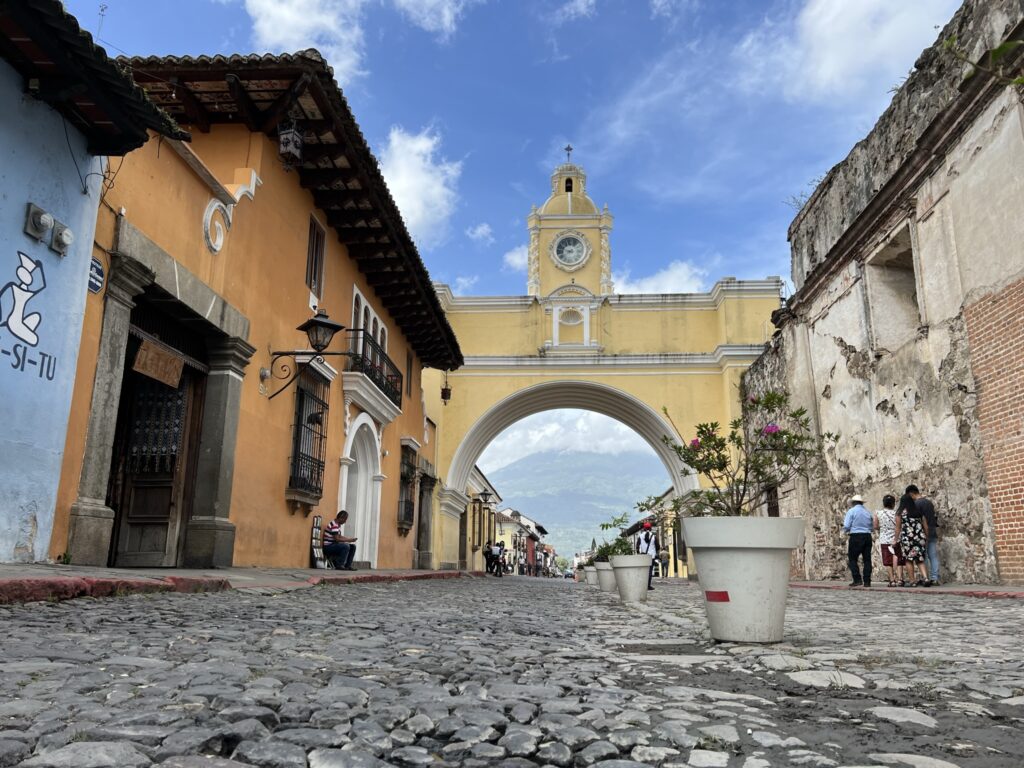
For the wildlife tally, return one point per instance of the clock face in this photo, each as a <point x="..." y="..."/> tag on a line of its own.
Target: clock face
<point x="570" y="251"/>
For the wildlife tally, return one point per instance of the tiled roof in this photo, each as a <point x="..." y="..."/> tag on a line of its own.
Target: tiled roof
<point x="263" y="91"/>
<point x="62" y="66"/>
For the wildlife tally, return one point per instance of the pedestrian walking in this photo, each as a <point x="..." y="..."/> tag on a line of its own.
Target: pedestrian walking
<point x="924" y="505"/>
<point x="859" y="523"/>
<point x="911" y="532"/>
<point x="888" y="544"/>
<point x="647" y="544"/>
<point x="488" y="557"/>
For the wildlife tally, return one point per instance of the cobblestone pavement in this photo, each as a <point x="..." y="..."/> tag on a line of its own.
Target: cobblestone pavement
<point x="510" y="672"/>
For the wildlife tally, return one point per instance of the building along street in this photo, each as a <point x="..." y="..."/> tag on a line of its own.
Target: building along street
<point x="512" y="672"/>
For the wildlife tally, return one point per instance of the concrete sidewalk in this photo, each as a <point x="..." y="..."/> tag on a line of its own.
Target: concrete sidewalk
<point x="21" y="583"/>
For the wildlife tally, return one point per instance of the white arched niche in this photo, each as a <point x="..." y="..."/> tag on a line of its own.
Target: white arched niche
<point x="360" y="485"/>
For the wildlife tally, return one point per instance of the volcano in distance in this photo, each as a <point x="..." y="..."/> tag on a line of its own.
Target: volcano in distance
<point x="571" y="493"/>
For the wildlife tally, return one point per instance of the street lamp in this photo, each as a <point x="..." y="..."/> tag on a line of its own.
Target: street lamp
<point x="320" y="331"/>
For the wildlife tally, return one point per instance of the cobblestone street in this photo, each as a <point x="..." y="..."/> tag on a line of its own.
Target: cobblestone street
<point x="441" y="673"/>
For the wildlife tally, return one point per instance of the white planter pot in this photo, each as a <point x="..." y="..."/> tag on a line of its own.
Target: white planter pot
<point x="631" y="575"/>
<point x="590" y="572"/>
<point x="743" y="570"/>
<point x="605" y="577"/>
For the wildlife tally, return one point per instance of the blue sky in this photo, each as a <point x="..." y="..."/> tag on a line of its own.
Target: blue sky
<point x="695" y="120"/>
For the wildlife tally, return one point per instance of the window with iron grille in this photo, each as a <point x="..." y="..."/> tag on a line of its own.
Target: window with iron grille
<point x="772" y="499"/>
<point x="408" y="374"/>
<point x="315" y="258"/>
<point x="309" y="441"/>
<point x="406" y="502"/>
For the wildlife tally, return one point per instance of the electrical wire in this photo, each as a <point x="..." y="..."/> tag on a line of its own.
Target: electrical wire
<point x="67" y="138"/>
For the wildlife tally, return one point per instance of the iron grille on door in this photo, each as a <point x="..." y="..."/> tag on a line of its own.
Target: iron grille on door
<point x="310" y="434"/>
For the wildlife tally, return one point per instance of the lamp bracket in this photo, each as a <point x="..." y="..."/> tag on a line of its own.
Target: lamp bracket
<point x="280" y="368"/>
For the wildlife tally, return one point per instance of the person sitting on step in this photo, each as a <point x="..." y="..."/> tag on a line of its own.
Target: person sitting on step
<point x="339" y="549"/>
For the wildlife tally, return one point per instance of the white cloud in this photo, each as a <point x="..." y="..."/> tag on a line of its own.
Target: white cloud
<point x="574" y="9"/>
<point x="677" y="277"/>
<point x="332" y="26"/>
<point x="463" y="284"/>
<point x="438" y="16"/>
<point x="668" y="9"/>
<point x="423" y="183"/>
<point x="516" y="259"/>
<point x="481" y="233"/>
<point x="335" y="27"/>
<point x="561" y="430"/>
<point x="839" y="49"/>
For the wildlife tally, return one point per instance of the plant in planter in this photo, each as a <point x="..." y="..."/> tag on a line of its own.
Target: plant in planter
<point x="742" y="558"/>
<point x="605" y="552"/>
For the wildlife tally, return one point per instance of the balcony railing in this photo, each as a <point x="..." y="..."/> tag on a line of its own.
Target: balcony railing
<point x="370" y="359"/>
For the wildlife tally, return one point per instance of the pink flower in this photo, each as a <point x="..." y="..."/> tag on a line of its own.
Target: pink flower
<point x="770" y="429"/>
<point x="695" y="443"/>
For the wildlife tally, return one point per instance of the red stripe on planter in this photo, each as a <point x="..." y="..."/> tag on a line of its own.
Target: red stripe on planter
<point x="716" y="597"/>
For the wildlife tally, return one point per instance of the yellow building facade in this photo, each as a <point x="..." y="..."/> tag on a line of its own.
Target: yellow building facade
<point x="572" y="342"/>
<point x="190" y="443"/>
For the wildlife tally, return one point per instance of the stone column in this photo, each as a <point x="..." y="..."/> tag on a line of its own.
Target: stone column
<point x="378" y="483"/>
<point x="91" y="520"/>
<point x="210" y="536"/>
<point x="425" y="533"/>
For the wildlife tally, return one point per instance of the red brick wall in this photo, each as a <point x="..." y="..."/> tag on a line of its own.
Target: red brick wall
<point x="995" y="328"/>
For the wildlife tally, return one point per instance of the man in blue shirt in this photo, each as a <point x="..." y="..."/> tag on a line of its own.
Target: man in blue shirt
<point x="859" y="523"/>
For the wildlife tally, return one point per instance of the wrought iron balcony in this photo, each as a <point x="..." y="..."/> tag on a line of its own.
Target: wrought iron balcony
<point x="366" y="356"/>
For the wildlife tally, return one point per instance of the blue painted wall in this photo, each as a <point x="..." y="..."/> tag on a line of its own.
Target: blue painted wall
<point x="37" y="164"/>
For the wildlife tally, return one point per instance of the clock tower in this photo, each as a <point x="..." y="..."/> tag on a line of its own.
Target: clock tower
<point x="569" y="240"/>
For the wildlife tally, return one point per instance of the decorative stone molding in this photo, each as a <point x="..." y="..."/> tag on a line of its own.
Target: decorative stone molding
<point x="214" y="231"/>
<point x="364" y="393"/>
<point x="453" y="503"/>
<point x="607" y="286"/>
<point x="533" y="263"/>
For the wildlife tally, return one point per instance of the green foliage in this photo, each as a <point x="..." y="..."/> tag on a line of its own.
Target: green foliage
<point x="769" y="445"/>
<point x="992" y="63"/>
<point x="616" y="522"/>
<point x="64" y="559"/>
<point x="618" y="546"/>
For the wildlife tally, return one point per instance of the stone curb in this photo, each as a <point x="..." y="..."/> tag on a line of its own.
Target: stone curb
<point x="58" y="588"/>
<point x="984" y="593"/>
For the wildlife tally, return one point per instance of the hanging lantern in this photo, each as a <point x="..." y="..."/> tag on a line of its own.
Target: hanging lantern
<point x="446" y="391"/>
<point x="289" y="145"/>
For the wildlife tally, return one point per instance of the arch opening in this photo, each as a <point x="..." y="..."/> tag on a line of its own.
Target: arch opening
<point x="582" y="395"/>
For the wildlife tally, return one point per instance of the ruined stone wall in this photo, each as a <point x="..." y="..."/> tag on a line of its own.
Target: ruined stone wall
<point x="849" y="187"/>
<point x="913" y="352"/>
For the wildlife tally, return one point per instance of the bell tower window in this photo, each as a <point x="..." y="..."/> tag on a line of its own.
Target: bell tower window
<point x="568" y="185"/>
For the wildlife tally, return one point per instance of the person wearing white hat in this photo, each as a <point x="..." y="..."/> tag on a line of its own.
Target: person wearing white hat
<point x="859" y="523"/>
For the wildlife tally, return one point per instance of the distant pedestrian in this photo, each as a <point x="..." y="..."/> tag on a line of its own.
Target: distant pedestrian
<point x="859" y="523"/>
<point x="488" y="557"/>
<point x="647" y="544"/>
<point x="912" y="534"/>
<point x="931" y="519"/>
<point x="892" y="554"/>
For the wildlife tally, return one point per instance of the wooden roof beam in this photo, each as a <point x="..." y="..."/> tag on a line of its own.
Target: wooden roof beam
<point x="246" y="107"/>
<point x="277" y="111"/>
<point x="311" y="178"/>
<point x="194" y="110"/>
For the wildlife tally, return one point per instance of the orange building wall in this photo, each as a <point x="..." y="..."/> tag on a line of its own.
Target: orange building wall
<point x="261" y="272"/>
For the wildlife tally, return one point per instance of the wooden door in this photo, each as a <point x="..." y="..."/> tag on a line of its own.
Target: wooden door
<point x="154" y="463"/>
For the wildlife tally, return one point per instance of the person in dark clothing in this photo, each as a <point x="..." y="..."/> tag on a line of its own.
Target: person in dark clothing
<point x="927" y="510"/>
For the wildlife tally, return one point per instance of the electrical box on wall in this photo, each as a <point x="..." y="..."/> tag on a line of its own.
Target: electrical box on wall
<point x="41" y="225"/>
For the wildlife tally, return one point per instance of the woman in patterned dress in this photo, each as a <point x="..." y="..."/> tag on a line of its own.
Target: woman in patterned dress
<point x="911" y="536"/>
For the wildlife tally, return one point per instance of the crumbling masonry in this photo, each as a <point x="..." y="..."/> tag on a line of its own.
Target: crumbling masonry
<point x="906" y="331"/>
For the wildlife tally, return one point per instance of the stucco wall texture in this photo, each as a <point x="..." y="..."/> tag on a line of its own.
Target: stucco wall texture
<point x="908" y="343"/>
<point x="42" y="296"/>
